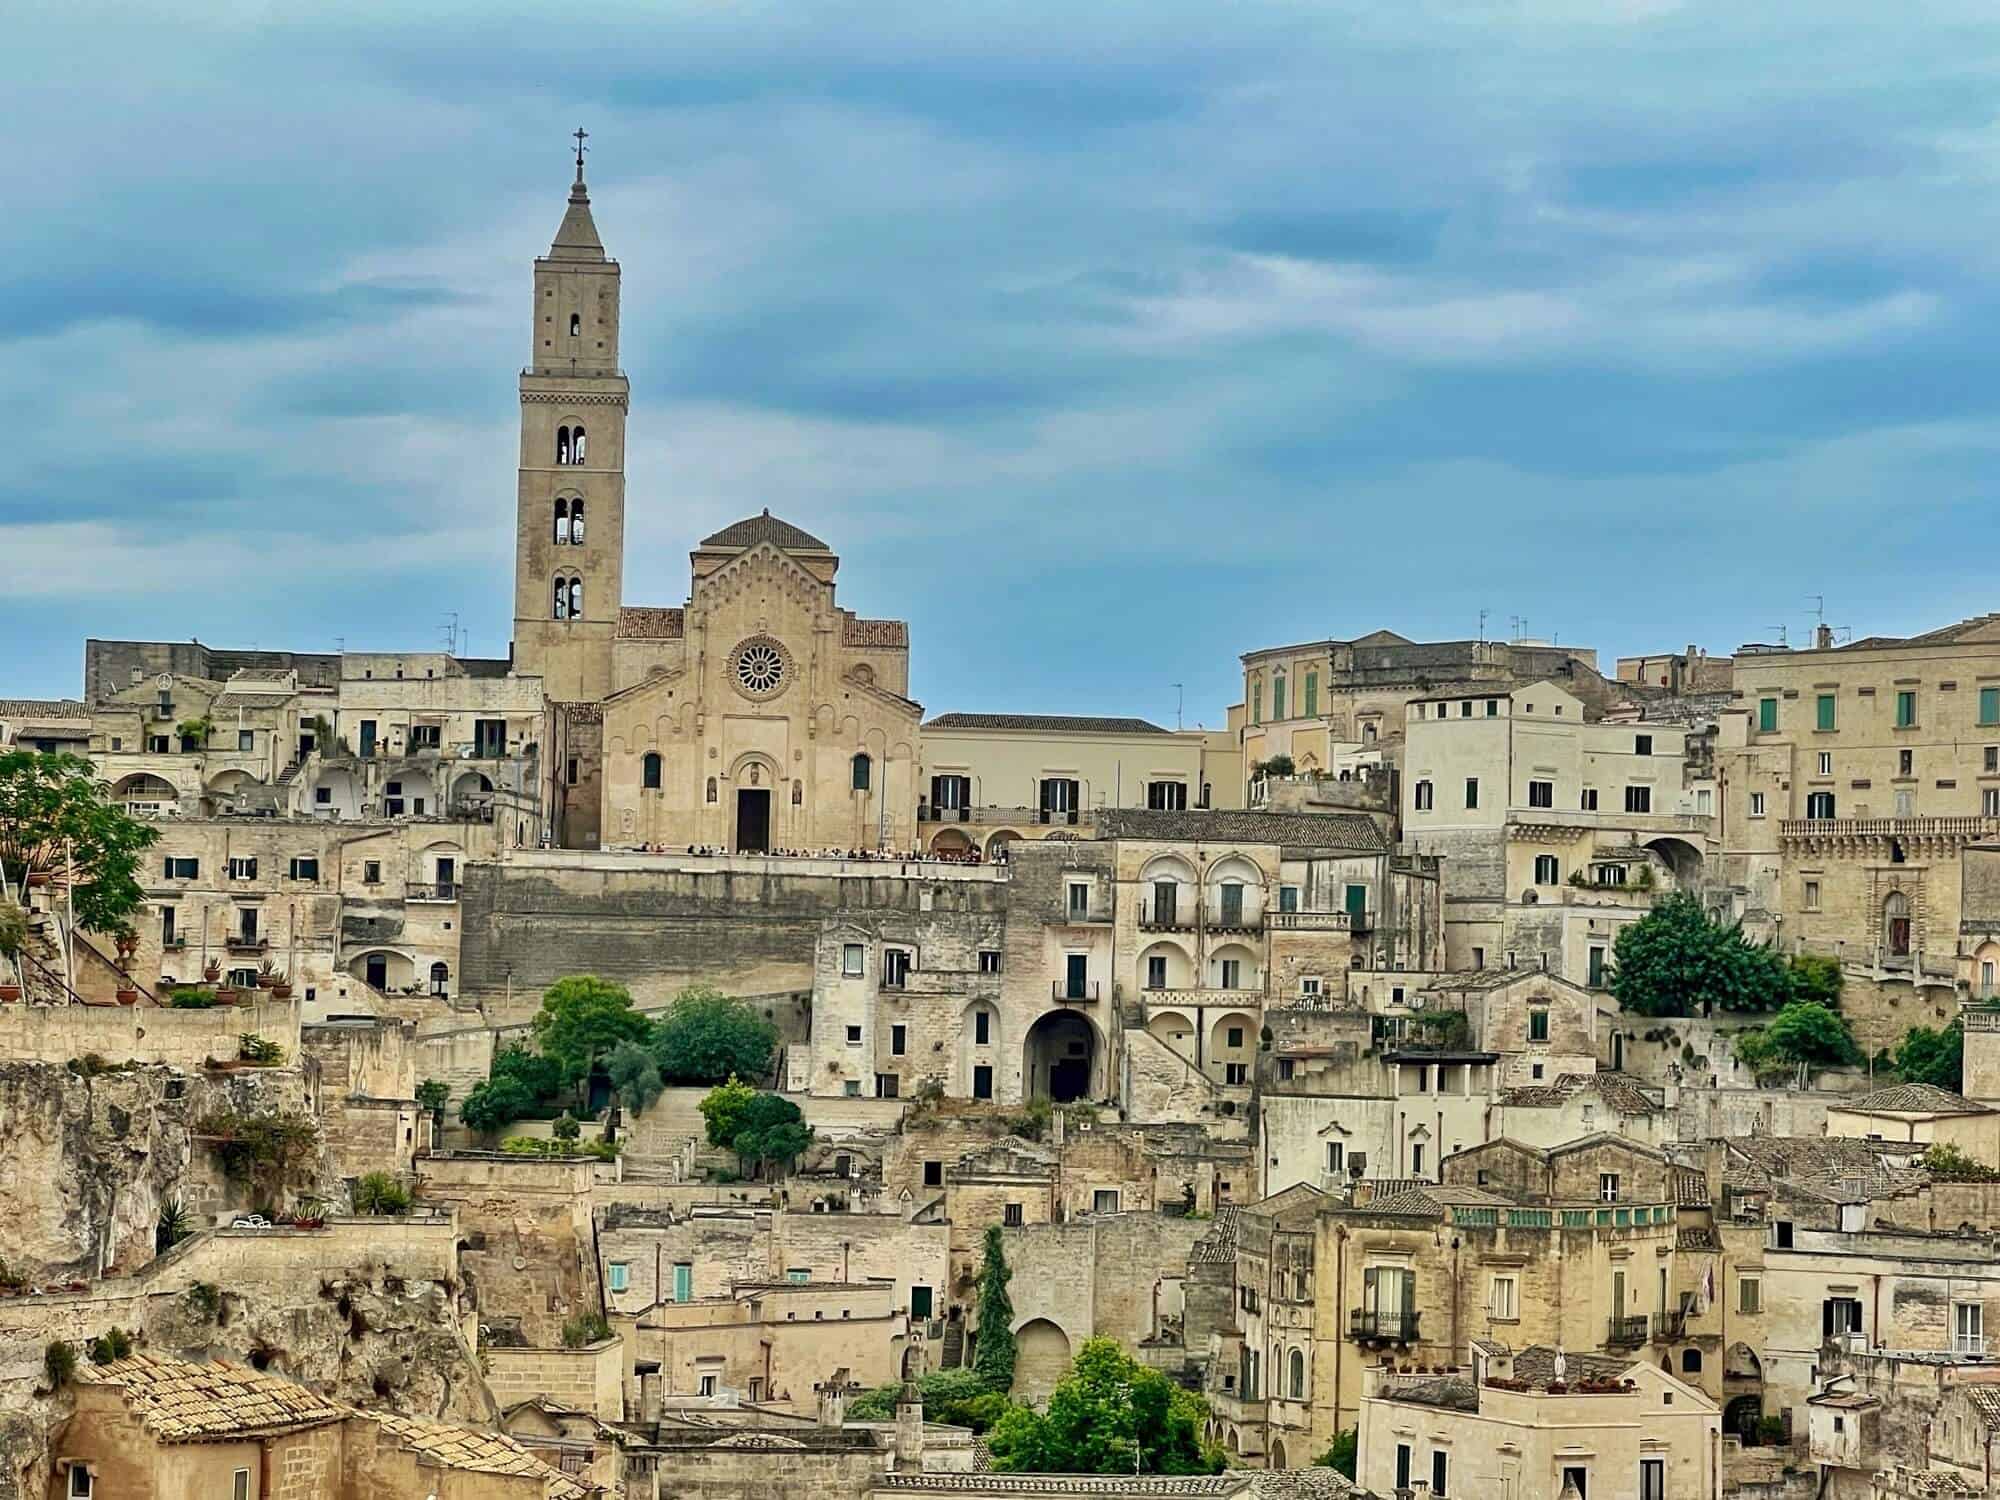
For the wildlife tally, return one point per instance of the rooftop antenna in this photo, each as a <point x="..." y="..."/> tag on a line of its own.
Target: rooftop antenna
<point x="1179" y="696"/>
<point x="1482" y="625"/>
<point x="1782" y="639"/>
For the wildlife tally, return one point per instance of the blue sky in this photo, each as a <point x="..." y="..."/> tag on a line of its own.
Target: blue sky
<point x="1103" y="341"/>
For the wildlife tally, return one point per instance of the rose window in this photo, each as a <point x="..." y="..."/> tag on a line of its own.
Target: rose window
<point x="760" y="668"/>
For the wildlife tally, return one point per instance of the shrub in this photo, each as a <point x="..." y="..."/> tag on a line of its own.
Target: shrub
<point x="1032" y="1123"/>
<point x="585" y="1329"/>
<point x="59" y="1364"/>
<point x="566" y="1128"/>
<point x="1946" y="1163"/>
<point x="190" y="997"/>
<point x="252" y="1048"/>
<point x="381" y="1194"/>
<point x="433" y="1094"/>
<point x="114" y="1343"/>
<point x="205" y="1298"/>
<point x="175" y="1224"/>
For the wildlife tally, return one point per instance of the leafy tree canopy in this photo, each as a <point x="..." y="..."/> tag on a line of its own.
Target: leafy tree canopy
<point x="1928" y="1056"/>
<point x="1807" y="1033"/>
<point x="1675" y="961"/>
<point x="582" y="1018"/>
<point x="1108" y="1406"/>
<point x="772" y="1130"/>
<point x="433" y="1094"/>
<point x="635" y="1075"/>
<point x="1341" y="1454"/>
<point x="496" y="1104"/>
<point x="956" y="1397"/>
<point x="724" y="1107"/>
<point x="1946" y="1163"/>
<point x="1816" y="979"/>
<point x="705" y="1037"/>
<point x="540" y="1076"/>
<point x="55" y="815"/>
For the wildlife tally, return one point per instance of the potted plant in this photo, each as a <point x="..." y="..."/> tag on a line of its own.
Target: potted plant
<point x="227" y="994"/>
<point x="37" y="879"/>
<point x="127" y="943"/>
<point x="128" y="994"/>
<point x="267" y="975"/>
<point x="281" y="988"/>
<point x="212" y="970"/>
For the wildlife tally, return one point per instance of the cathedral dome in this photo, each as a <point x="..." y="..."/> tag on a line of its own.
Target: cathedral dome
<point x="752" y="530"/>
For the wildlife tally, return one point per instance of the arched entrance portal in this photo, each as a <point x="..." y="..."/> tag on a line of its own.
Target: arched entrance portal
<point x="1041" y="1358"/>
<point x="1061" y="1055"/>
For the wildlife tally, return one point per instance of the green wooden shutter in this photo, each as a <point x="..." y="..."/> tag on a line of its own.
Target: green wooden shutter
<point x="1767" y="715"/>
<point x="1825" y="711"/>
<point x="1989" y="705"/>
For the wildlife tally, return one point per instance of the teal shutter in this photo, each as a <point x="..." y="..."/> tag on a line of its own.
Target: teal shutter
<point x="1989" y="705"/>
<point x="1767" y="715"/>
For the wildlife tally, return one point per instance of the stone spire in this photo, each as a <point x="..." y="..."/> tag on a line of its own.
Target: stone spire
<point x="576" y="238"/>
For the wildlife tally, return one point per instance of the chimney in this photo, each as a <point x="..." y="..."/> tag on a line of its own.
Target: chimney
<point x="1822" y="638"/>
<point x="833" y="1396"/>
<point x="909" y="1430"/>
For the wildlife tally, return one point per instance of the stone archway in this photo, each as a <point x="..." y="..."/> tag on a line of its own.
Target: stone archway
<point x="1060" y="1058"/>
<point x="1041" y="1358"/>
<point x="1278" y="1454"/>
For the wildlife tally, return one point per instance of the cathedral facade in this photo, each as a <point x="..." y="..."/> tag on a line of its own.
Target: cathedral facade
<point x="757" y="715"/>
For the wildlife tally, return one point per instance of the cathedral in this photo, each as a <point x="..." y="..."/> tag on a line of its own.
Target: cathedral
<point x="757" y="715"/>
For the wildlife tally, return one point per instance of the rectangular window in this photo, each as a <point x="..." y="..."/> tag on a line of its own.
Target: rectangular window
<point x="1538" y="1026"/>
<point x="1906" y="710"/>
<point x="426" y="736"/>
<point x="1824" y="711"/>
<point x="1825" y="763"/>
<point x="1465" y="709"/>
<point x="989" y="960"/>
<point x="239" y="1485"/>
<point x="179" y="868"/>
<point x="1767" y="715"/>
<point x="1256" y="703"/>
<point x="1840" y="1315"/>
<point x="1439" y="1468"/>
<point x="895" y="968"/>
<point x="1421" y="799"/>
<point x="620" y="1275"/>
<point x="854" y="1036"/>
<point x="1402" y="1466"/>
<point x="1013" y="1216"/>
<point x="1607" y="1187"/>
<point x="1235" y="1034"/>
<point x="1756" y="804"/>
<point x="371" y="872"/>
<point x="982" y="1027"/>
<point x="887" y="1086"/>
<point x="1232" y="974"/>
<point x="79" y="1482"/>
<point x="1166" y="796"/>
<point x="1638" y="799"/>
<point x="1288" y="898"/>
<point x="852" y="960"/>
<point x="898" y="1038"/>
<point x="1104" y="1201"/>
<point x="920" y="1301"/>
<point x="1642" y="744"/>
<point x="982" y="1082"/>
<point x="1541" y="794"/>
<point x="1590" y="799"/>
<point x="1547" y="871"/>
<point x="1968" y="1328"/>
<point x="1989" y="802"/>
<point x="1312" y="695"/>
<point x="305" y="867"/>
<point x="242" y="867"/>
<point x="246" y="740"/>
<point x="1417" y="1160"/>
<point x="1079" y="900"/>
<point x="1749" y="1294"/>
<point x="707" y="1385"/>
<point x="1235" y="1072"/>
<point x="1335" y="1152"/>
<point x="1812" y="895"/>
<point x="1492" y="708"/>
<point x="1156" y="971"/>
<point x="1506" y="1298"/>
<point x="1906" y="762"/>
<point x="933" y="1174"/>
<point x="1596" y="975"/>
<point x="1471" y="792"/>
<point x="1989" y="705"/>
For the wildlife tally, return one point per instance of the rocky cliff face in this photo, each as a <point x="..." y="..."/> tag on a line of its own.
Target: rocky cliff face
<point x="92" y="1159"/>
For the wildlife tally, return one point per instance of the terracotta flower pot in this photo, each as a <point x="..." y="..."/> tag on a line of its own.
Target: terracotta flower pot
<point x="226" y="994"/>
<point x="281" y="991"/>
<point x="127" y="995"/>
<point x="211" y="971"/>
<point x="9" y="993"/>
<point x="37" y="879"/>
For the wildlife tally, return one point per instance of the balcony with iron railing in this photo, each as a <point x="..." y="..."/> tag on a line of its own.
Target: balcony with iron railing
<point x="1627" y="1332"/>
<point x="1074" y="991"/>
<point x="1224" y="917"/>
<point x="246" y="942"/>
<point x="1167" y="916"/>
<point x="431" y="890"/>
<point x="1392" y="1327"/>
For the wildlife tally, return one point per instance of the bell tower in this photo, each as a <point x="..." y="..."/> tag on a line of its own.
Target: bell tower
<point x="569" y="550"/>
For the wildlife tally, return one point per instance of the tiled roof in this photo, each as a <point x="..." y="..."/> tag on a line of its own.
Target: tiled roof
<point x="1045" y="723"/>
<point x="1918" y="1098"/>
<point x="752" y="530"/>
<point x="1985" y="1400"/>
<point x="881" y="633"/>
<point x="1925" y="1482"/>
<point x="1616" y="1090"/>
<point x="1431" y="1201"/>
<point x="476" y="1451"/>
<point x="1452" y="1392"/>
<point x="232" y="699"/>
<point x="1219" y="1244"/>
<point x="1069" y="1484"/>
<point x="1298" y="830"/>
<point x="1536" y="1364"/>
<point x="645" y="622"/>
<point x="43" y="708"/>
<point x="1312" y="1483"/>
<point x="179" y="1401"/>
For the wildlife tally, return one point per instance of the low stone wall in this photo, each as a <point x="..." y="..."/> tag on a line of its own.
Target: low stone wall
<point x="589" y="1379"/>
<point x="143" y="1033"/>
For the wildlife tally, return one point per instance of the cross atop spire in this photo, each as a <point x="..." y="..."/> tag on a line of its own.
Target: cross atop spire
<point x="582" y="135"/>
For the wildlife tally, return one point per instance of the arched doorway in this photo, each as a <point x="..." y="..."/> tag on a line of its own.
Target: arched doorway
<point x="1742" y="1415"/>
<point x="1278" y="1453"/>
<point x="1060" y="1058"/>
<point x="952" y="843"/>
<point x="1682" y="858"/>
<point x="1041" y="1358"/>
<point x="996" y="847"/>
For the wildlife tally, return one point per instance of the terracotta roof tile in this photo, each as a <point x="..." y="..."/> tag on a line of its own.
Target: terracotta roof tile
<point x="179" y="1401"/>
<point x="1046" y="723"/>
<point x="475" y="1450"/>
<point x="645" y="622"/>
<point x="1918" y="1098"/>
<point x="752" y="530"/>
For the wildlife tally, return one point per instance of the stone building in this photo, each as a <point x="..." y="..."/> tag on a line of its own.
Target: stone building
<point x="1540" y="1422"/>
<point x="1556" y="828"/>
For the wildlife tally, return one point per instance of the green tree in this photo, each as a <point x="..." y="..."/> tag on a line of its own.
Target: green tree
<point x="540" y="1076"/>
<point x="1928" y="1056"/>
<point x="635" y="1075"/>
<point x="993" y="1355"/>
<point x="582" y="1018"/>
<point x="1108" y="1410"/>
<point x="958" y="1398"/>
<point x="54" y="815"/>
<point x="1815" y="978"/>
<point x="496" y="1104"/>
<point x="566" y="1128"/>
<point x="433" y="1094"/>
<point x="1341" y="1453"/>
<point x="381" y="1193"/>
<point x="1675" y="961"/>
<point x="773" y="1130"/>
<point x="1946" y="1163"/>
<point x="706" y="1037"/>
<point x="723" y="1107"/>
<point x="1812" y="1036"/>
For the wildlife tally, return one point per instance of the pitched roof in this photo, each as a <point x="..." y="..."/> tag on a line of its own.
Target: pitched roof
<point x="1045" y="723"/>
<point x="884" y="633"/>
<point x="1300" y="830"/>
<point x="43" y="708"/>
<point x="475" y="1450"/>
<point x="1918" y="1098"/>
<point x="1616" y="1090"/>
<point x="645" y="622"/>
<point x="1536" y="1364"/>
<point x="1219" y="1244"/>
<point x="576" y="237"/>
<point x="179" y="1401"/>
<point x="1430" y="1201"/>
<point x="766" y="527"/>
<point x="1985" y="1401"/>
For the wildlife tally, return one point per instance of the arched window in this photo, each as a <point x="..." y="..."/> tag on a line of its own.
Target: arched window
<point x="559" y="608"/>
<point x="576" y="598"/>
<point x="562" y="445"/>
<point x="575" y="324"/>
<point x="1690" y="1361"/>
<point x="649" y="771"/>
<point x="440" y="977"/>
<point x="576" y="523"/>
<point x="1298" y="1374"/>
<point x="562" y="522"/>
<point x="576" y="444"/>
<point x="861" y="772"/>
<point x="1896" y="923"/>
<point x="711" y="789"/>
